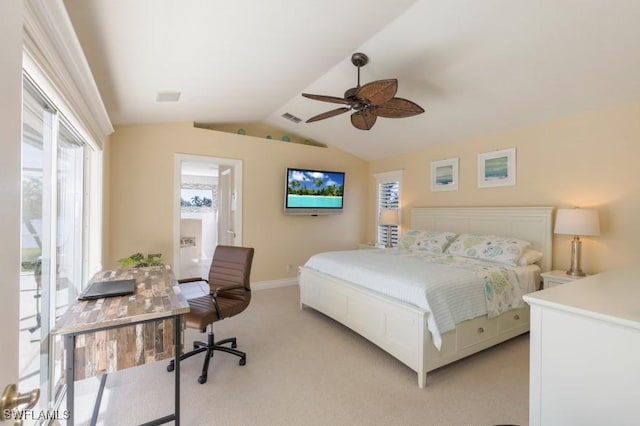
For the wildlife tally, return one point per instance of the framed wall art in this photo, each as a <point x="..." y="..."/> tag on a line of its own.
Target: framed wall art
<point x="444" y="175"/>
<point x="497" y="168"/>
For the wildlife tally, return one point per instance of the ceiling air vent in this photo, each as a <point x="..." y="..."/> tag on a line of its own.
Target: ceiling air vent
<point x="168" y="97"/>
<point x="291" y="117"/>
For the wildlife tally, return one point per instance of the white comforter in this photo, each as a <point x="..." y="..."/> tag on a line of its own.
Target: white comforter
<point x="453" y="289"/>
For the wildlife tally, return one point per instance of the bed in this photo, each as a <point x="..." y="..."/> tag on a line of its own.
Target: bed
<point x="403" y="329"/>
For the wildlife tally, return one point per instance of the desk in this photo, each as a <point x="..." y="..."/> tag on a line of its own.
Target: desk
<point x="110" y="334"/>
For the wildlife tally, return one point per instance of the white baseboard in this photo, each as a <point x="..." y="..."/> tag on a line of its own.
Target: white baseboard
<point x="263" y="285"/>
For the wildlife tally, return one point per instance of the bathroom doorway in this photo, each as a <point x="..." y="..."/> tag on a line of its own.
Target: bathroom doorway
<point x="208" y="210"/>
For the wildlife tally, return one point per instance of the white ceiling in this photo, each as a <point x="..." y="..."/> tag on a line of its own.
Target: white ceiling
<point x="475" y="66"/>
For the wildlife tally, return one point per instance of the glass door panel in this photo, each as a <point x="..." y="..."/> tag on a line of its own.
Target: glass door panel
<point x="52" y="239"/>
<point x="69" y="233"/>
<point x="35" y="239"/>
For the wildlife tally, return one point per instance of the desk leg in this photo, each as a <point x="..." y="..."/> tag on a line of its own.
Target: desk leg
<point x="178" y="348"/>
<point x="96" y="407"/>
<point x="177" y="339"/>
<point x="69" y="347"/>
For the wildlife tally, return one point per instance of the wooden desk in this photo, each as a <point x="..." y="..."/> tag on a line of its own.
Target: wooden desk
<point x="105" y="335"/>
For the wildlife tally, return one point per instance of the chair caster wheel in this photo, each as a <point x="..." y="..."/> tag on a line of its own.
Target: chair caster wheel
<point x="202" y="379"/>
<point x="171" y="366"/>
<point x="243" y="361"/>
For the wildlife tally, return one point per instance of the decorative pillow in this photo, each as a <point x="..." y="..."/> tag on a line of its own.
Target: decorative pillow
<point x="489" y="247"/>
<point x="434" y="242"/>
<point x="529" y="257"/>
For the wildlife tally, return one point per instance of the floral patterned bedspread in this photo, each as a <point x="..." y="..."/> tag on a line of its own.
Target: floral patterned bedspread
<point x="502" y="287"/>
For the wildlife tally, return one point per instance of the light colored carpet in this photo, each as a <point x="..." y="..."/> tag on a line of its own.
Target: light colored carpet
<point x="306" y="369"/>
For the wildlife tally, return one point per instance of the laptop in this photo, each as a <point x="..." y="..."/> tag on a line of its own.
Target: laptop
<point x="100" y="289"/>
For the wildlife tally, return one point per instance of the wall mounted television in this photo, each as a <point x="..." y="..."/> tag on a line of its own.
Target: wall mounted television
<point x="313" y="192"/>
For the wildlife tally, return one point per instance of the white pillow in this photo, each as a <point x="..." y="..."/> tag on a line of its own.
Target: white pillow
<point x="529" y="257"/>
<point x="489" y="247"/>
<point x="434" y="242"/>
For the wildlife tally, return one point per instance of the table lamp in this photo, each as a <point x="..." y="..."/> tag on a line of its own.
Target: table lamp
<point x="389" y="218"/>
<point x="577" y="222"/>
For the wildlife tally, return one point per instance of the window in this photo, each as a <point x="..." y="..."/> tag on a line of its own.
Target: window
<point x="197" y="197"/>
<point x="388" y="184"/>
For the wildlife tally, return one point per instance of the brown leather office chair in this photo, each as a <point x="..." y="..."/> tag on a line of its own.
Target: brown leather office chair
<point x="230" y="293"/>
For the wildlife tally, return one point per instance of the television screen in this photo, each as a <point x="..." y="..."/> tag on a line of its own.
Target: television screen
<point x="313" y="192"/>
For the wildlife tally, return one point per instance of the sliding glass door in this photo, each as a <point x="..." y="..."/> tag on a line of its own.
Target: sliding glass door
<point x="54" y="162"/>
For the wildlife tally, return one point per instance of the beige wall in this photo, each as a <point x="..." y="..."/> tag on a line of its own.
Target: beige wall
<point x="588" y="161"/>
<point x="140" y="161"/>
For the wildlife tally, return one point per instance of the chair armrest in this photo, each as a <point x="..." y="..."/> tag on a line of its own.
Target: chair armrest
<point x="214" y="294"/>
<point x="215" y="305"/>
<point x="192" y="280"/>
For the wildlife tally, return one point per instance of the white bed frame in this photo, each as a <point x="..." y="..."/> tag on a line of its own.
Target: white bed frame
<point x="400" y="328"/>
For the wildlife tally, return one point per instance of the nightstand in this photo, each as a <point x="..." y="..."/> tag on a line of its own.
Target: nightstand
<point x="557" y="277"/>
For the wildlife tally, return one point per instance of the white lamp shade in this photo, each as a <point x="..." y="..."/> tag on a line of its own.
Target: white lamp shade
<point x="389" y="217"/>
<point x="577" y="222"/>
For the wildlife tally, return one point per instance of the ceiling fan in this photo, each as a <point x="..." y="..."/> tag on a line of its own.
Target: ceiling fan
<point x="373" y="100"/>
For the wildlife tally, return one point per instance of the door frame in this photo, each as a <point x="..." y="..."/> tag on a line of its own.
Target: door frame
<point x="236" y="165"/>
<point x="10" y="182"/>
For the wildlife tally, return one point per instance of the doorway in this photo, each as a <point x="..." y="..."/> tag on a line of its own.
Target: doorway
<point x="208" y="211"/>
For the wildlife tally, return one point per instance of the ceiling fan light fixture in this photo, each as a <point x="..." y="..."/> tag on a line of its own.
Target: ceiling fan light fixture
<point x="370" y="101"/>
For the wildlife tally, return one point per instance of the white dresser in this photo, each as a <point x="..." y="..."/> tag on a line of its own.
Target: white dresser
<point x="585" y="351"/>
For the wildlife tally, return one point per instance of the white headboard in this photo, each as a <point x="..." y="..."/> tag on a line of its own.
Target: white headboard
<point x="532" y="224"/>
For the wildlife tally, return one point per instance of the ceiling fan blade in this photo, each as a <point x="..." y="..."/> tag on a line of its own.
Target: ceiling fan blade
<point x="398" y="108"/>
<point x="378" y="92"/>
<point x="328" y="114"/>
<point x="323" y="98"/>
<point x="363" y="120"/>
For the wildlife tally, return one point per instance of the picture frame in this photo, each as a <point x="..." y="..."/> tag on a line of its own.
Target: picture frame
<point x="497" y="168"/>
<point x="444" y="175"/>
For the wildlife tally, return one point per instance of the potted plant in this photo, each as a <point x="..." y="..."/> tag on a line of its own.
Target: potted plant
<point x="138" y="260"/>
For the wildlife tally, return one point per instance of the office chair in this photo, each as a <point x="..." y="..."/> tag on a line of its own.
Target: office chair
<point x="229" y="294"/>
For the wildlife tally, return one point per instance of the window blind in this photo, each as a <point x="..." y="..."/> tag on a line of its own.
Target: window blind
<point x="388" y="198"/>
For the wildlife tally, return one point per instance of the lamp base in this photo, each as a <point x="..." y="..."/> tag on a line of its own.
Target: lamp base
<point x="575" y="270"/>
<point x="577" y="273"/>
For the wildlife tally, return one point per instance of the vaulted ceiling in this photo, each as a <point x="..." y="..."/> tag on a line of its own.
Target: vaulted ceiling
<point x="476" y="67"/>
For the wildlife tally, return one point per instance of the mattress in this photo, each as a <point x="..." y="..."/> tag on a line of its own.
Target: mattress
<point x="452" y="289"/>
